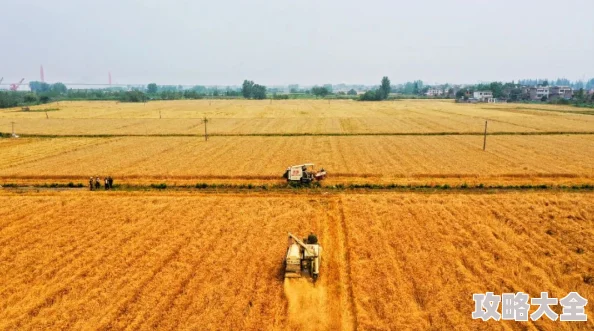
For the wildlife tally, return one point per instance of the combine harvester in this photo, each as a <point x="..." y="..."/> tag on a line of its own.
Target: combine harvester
<point x="303" y="173"/>
<point x="303" y="257"/>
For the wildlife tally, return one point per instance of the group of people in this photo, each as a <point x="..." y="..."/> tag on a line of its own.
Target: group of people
<point x="95" y="184"/>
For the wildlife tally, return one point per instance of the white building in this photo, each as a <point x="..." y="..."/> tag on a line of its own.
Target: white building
<point x="483" y="96"/>
<point x="433" y="91"/>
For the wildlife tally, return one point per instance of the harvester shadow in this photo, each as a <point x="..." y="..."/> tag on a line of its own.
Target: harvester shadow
<point x="280" y="272"/>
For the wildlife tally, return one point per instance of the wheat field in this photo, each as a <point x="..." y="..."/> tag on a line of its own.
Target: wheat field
<point x="180" y="258"/>
<point x="377" y="159"/>
<point x="118" y="260"/>
<point x="290" y="117"/>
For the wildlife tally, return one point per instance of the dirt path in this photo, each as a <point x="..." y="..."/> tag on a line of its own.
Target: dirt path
<point x="329" y="305"/>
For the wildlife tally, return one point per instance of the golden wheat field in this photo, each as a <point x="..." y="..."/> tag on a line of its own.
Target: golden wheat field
<point x="147" y="260"/>
<point x="290" y="117"/>
<point x="183" y="259"/>
<point x="378" y="159"/>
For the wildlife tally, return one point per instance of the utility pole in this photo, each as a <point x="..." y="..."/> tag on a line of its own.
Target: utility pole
<point x="205" y="121"/>
<point x="160" y="114"/>
<point x="485" y="137"/>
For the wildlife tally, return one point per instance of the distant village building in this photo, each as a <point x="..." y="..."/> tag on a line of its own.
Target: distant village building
<point x="538" y="92"/>
<point x="434" y="91"/>
<point x="560" y="92"/>
<point x="483" y="96"/>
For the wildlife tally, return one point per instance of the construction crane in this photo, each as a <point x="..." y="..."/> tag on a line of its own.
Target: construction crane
<point x="1" y="79"/>
<point x="15" y="86"/>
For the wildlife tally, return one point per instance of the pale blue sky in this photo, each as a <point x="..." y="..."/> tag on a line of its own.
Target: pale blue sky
<point x="305" y="42"/>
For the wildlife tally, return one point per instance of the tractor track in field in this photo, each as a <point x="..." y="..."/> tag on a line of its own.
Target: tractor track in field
<point x="329" y="303"/>
<point x="345" y="238"/>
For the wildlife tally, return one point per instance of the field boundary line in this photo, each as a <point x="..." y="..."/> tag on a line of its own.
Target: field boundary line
<point x="305" y="134"/>
<point x="286" y="189"/>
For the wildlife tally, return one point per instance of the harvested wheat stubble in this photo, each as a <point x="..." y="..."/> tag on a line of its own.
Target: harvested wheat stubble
<point x="417" y="259"/>
<point x="151" y="262"/>
<point x="179" y="260"/>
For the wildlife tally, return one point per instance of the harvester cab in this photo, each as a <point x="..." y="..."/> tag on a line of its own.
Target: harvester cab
<point x="303" y="258"/>
<point x="304" y="173"/>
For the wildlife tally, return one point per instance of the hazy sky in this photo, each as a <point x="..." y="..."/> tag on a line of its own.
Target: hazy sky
<point x="306" y="42"/>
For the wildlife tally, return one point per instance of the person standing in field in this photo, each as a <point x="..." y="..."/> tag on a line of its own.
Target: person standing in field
<point x="106" y="182"/>
<point x="110" y="180"/>
<point x="91" y="183"/>
<point x="97" y="183"/>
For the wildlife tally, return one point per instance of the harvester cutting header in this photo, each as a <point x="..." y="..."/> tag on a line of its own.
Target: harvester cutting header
<point x="304" y="173"/>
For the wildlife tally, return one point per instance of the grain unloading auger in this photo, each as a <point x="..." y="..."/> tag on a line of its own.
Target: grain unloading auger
<point x="303" y="257"/>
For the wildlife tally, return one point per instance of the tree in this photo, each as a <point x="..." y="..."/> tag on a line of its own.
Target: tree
<point x="384" y="89"/>
<point x="199" y="89"/>
<point x="246" y="88"/>
<point x="373" y="95"/>
<point x="352" y="92"/>
<point x="58" y="88"/>
<point x="191" y="94"/>
<point x="319" y="91"/>
<point x="171" y="95"/>
<point x="133" y="96"/>
<point x="497" y="89"/>
<point x="580" y="95"/>
<point x="258" y="92"/>
<point x="232" y="93"/>
<point x="249" y="90"/>
<point x="30" y="98"/>
<point x="151" y="88"/>
<point x="9" y="99"/>
<point x="415" y="88"/>
<point x="515" y="94"/>
<point x="379" y="94"/>
<point x="39" y="87"/>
